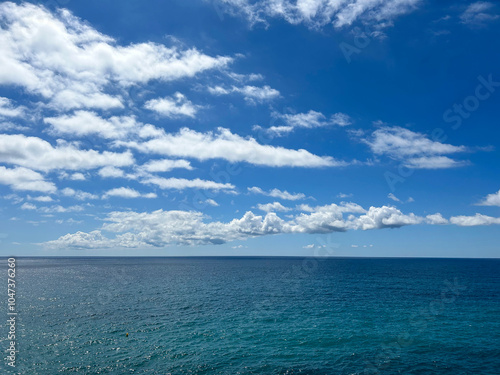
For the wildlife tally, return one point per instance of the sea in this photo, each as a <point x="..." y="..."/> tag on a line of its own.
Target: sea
<point x="246" y="315"/>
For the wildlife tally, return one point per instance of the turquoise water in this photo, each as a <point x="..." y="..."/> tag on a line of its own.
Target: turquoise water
<point x="256" y="316"/>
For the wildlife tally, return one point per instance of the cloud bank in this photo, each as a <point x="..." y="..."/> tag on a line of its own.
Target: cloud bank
<point x="164" y="228"/>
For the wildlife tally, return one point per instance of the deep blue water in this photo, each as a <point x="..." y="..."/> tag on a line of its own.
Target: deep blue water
<point x="256" y="316"/>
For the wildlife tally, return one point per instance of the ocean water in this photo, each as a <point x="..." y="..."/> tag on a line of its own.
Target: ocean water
<point x="255" y="316"/>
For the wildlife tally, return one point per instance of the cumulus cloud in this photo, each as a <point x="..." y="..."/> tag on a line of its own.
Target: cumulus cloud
<point x="41" y="198"/>
<point x="126" y="192"/>
<point x="92" y="240"/>
<point x="223" y="144"/>
<point x="276" y="193"/>
<point x="39" y="154"/>
<point x="66" y="61"/>
<point x="165" y="165"/>
<point x="318" y="13"/>
<point x="251" y="94"/>
<point x="182" y="183"/>
<point x="471" y="221"/>
<point x="273" y="207"/>
<point x="173" y="107"/>
<point x="311" y="119"/>
<point x="491" y="200"/>
<point x="85" y="123"/>
<point x="25" y="179"/>
<point x="78" y="194"/>
<point x="28" y="206"/>
<point x="436" y="219"/>
<point x="414" y="149"/>
<point x="111" y="172"/>
<point x="77" y="176"/>
<point x="163" y="228"/>
<point x="385" y="217"/>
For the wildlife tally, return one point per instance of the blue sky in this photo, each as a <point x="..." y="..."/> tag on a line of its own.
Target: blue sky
<point x="312" y="127"/>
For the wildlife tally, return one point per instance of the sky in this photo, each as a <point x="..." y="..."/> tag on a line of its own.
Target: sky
<point x="237" y="127"/>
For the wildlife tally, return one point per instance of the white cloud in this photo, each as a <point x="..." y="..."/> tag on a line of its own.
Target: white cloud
<point x="28" y="206"/>
<point x="478" y="14"/>
<point x="182" y="183"/>
<point x="92" y="240"/>
<point x="219" y="90"/>
<point x="70" y="63"/>
<point x="173" y="107"/>
<point x="165" y="165"/>
<point x="162" y="228"/>
<point x="14" y="198"/>
<point x="305" y="208"/>
<point x="223" y="144"/>
<point x="78" y="194"/>
<point x="85" y="123"/>
<point x="273" y="207"/>
<point x="436" y="219"/>
<point x="36" y="153"/>
<point x="414" y="149"/>
<point x="385" y="217"/>
<point x="8" y="109"/>
<point x="25" y="179"/>
<point x="69" y="221"/>
<point x="52" y="209"/>
<point x="245" y="77"/>
<point x="276" y="193"/>
<point x="470" y="221"/>
<point x="60" y="209"/>
<point x="251" y="94"/>
<point x="318" y="13"/>
<point x="434" y="162"/>
<point x="396" y="199"/>
<point x="397" y="141"/>
<point x="125" y="192"/>
<point x="108" y="172"/>
<point x="254" y="94"/>
<point x="491" y="200"/>
<point x="9" y="126"/>
<point x="326" y="219"/>
<point x="68" y="99"/>
<point x="309" y="120"/>
<point x="41" y="198"/>
<point x="212" y="203"/>
<point x="239" y="247"/>
<point x="343" y="195"/>
<point x="393" y="197"/>
<point x="77" y="176"/>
